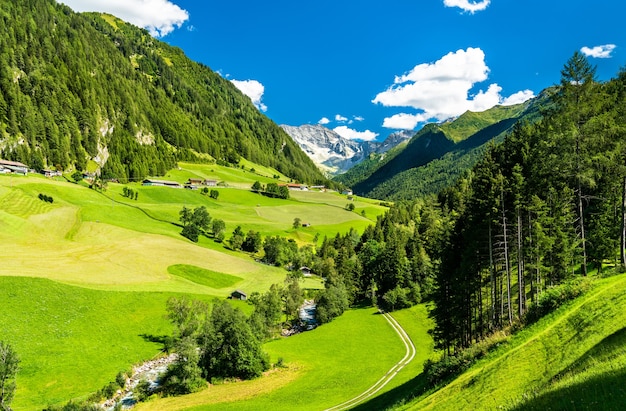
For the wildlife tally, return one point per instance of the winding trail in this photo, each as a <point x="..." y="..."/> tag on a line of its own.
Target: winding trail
<point x="385" y="379"/>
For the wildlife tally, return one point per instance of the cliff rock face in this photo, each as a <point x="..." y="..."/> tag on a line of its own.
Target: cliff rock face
<point x="335" y="154"/>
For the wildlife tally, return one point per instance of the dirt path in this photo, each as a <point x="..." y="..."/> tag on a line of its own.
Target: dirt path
<point x="384" y="380"/>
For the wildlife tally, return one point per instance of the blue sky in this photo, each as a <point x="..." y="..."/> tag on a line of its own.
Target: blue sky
<point x="367" y="68"/>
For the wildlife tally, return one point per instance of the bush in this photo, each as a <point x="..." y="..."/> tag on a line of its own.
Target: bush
<point x="554" y="297"/>
<point x="454" y="364"/>
<point x="45" y="198"/>
<point x="120" y="379"/>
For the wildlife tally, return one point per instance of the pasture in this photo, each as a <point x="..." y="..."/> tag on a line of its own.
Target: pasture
<point x="84" y="279"/>
<point x="325" y="367"/>
<point x="573" y="358"/>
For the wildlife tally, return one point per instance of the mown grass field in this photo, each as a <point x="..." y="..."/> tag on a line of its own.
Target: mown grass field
<point x="573" y="359"/>
<point x="73" y="340"/>
<point x="325" y="367"/>
<point x="84" y="280"/>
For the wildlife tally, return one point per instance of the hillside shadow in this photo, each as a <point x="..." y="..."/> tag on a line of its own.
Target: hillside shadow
<point x="396" y="396"/>
<point x="163" y="340"/>
<point x="606" y="350"/>
<point x="606" y="392"/>
<point x="602" y="392"/>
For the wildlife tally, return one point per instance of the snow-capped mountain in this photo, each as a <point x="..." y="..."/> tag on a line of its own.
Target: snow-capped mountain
<point x="335" y="154"/>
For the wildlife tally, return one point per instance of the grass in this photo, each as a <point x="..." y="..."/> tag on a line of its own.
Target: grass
<point x="325" y="367"/>
<point x="204" y="277"/>
<point x="84" y="280"/>
<point x="88" y="239"/>
<point x="571" y="359"/>
<point x="72" y="340"/>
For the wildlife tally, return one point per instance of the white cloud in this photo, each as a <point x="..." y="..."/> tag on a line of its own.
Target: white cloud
<point x="159" y="17"/>
<point x="518" y="98"/>
<point x="599" y="52"/>
<point x="252" y="89"/>
<point x="359" y="118"/>
<point x="467" y="5"/>
<point x="351" y="134"/>
<point x="323" y="121"/>
<point x="340" y="118"/>
<point x="441" y="90"/>
<point x="403" y="121"/>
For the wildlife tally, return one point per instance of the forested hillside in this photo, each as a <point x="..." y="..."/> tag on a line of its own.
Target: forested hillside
<point x="545" y="206"/>
<point x="76" y="87"/>
<point x="436" y="156"/>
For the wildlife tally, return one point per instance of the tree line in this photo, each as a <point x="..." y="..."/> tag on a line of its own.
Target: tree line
<point x="545" y="206"/>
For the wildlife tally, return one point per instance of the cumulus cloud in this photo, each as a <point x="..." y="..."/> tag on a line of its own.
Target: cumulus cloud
<point x="518" y="98"/>
<point x="404" y="121"/>
<point x="159" y="17"/>
<point x="441" y="90"/>
<point x="599" y="52"/>
<point x="359" y="118"/>
<point x="323" y="121"/>
<point x="351" y="134"/>
<point x="340" y="118"/>
<point x="467" y="5"/>
<point x="252" y="89"/>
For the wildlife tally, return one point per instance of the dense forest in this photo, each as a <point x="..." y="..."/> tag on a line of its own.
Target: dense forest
<point x="76" y="87"/>
<point x="545" y="206"/>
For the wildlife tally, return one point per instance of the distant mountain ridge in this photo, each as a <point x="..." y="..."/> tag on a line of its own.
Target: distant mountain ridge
<point x="437" y="155"/>
<point x="335" y="154"/>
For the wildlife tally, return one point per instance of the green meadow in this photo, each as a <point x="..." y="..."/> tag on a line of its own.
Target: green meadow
<point x="572" y="359"/>
<point x="84" y="279"/>
<point x="326" y="367"/>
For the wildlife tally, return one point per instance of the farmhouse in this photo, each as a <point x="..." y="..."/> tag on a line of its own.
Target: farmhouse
<point x="161" y="183"/>
<point x="238" y="295"/>
<point x="210" y="183"/>
<point x="195" y="181"/>
<point x="14" y="167"/>
<point x="347" y="192"/>
<point x="306" y="271"/>
<point x="52" y="173"/>
<point x="295" y="187"/>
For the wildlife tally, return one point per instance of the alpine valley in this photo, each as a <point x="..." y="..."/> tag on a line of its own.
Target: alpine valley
<point x="167" y="246"/>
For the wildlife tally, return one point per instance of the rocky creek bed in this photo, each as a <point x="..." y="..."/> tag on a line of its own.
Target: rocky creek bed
<point x="149" y="370"/>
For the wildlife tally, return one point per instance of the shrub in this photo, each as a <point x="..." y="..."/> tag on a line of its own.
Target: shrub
<point x="554" y="297"/>
<point x="450" y="365"/>
<point x="45" y="198"/>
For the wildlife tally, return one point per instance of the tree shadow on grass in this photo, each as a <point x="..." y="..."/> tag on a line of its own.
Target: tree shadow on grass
<point x="606" y="392"/>
<point x="396" y="396"/>
<point x="164" y="340"/>
<point x="599" y="392"/>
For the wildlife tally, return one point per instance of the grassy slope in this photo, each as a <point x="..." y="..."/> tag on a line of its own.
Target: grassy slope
<point x="111" y="242"/>
<point x="325" y="367"/>
<point x="73" y="340"/>
<point x="573" y="359"/>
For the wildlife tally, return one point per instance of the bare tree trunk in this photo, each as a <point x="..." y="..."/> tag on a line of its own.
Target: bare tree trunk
<point x="623" y="239"/>
<point x="506" y="260"/>
<point x="520" y="266"/>
<point x="582" y="229"/>
<point x="494" y="285"/>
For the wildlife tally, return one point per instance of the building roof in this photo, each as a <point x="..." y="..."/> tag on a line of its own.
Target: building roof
<point x="164" y="182"/>
<point x="12" y="163"/>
